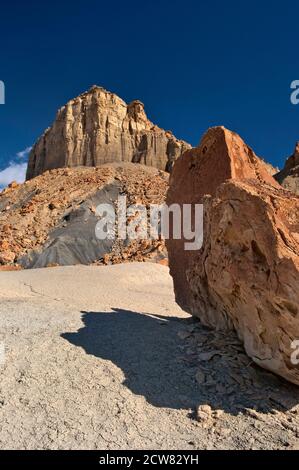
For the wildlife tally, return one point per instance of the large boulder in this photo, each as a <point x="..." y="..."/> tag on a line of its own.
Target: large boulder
<point x="246" y="275"/>
<point x="221" y="155"/>
<point x="98" y="127"/>
<point x="288" y="177"/>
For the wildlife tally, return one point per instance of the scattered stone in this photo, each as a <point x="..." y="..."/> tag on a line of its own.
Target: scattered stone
<point x="13" y="185"/>
<point x="223" y="432"/>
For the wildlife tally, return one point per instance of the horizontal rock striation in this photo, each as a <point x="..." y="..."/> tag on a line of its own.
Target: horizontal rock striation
<point x="99" y="127"/>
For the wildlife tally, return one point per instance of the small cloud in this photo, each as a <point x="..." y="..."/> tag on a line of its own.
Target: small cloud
<point x="24" y="153"/>
<point x="14" y="172"/>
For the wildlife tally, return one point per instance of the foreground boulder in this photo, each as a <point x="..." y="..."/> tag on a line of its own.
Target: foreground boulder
<point x="246" y="275"/>
<point x="289" y="176"/>
<point x="98" y="127"/>
<point x="51" y="220"/>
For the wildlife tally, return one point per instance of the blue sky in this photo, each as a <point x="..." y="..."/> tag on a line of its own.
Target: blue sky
<point x="194" y="64"/>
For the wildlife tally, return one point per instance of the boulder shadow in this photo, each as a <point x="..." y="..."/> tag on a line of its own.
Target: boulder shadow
<point x="156" y="365"/>
<point x="145" y="348"/>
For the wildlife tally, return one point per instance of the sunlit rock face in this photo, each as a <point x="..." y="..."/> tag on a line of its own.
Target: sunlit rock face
<point x="246" y="275"/>
<point x="289" y="176"/>
<point x="99" y="127"/>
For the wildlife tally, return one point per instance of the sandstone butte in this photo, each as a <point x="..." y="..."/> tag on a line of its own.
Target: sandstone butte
<point x="246" y="275"/>
<point x="288" y="177"/>
<point x="98" y="127"/>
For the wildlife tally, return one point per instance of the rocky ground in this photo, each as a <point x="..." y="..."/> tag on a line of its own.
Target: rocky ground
<point x="103" y="358"/>
<point x="51" y="219"/>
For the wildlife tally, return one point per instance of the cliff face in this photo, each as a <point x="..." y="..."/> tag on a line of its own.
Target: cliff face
<point x="98" y="127"/>
<point x="289" y="176"/>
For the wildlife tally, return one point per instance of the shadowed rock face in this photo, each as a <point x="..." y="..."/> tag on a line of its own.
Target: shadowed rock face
<point x="289" y="176"/>
<point x="246" y="275"/>
<point x="51" y="219"/>
<point x="99" y="127"/>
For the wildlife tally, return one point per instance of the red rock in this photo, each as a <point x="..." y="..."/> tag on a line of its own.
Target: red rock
<point x="289" y="176"/>
<point x="246" y="275"/>
<point x="7" y="257"/>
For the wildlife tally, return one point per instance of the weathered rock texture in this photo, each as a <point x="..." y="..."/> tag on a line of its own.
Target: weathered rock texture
<point x="289" y="176"/>
<point x="50" y="220"/>
<point x="99" y="127"/>
<point x="221" y="155"/>
<point x="246" y="275"/>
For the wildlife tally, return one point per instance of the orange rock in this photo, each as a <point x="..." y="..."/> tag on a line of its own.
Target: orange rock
<point x="6" y="228"/>
<point x="7" y="257"/>
<point x="164" y="262"/>
<point x="246" y="275"/>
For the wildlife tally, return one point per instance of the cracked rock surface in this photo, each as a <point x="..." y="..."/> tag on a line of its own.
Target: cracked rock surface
<point x="246" y="275"/>
<point x="288" y="177"/>
<point x="98" y="127"/>
<point x="103" y="358"/>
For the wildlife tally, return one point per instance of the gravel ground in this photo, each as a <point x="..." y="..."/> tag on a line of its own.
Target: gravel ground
<point x="103" y="358"/>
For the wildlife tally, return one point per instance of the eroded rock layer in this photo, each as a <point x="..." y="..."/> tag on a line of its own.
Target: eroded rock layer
<point x="99" y="127"/>
<point x="289" y="176"/>
<point x="246" y="275"/>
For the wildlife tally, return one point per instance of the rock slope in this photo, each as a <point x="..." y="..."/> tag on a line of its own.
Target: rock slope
<point x="289" y="176"/>
<point x="246" y="276"/>
<point x="50" y="220"/>
<point x="99" y="127"/>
